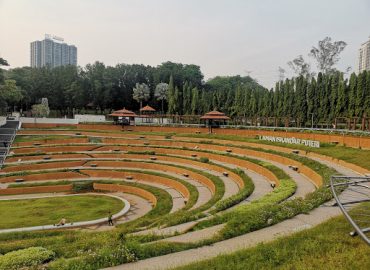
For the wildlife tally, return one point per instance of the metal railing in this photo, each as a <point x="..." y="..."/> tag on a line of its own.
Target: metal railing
<point x="7" y="135"/>
<point x="354" y="202"/>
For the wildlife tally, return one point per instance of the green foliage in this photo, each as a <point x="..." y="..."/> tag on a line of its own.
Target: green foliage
<point x="10" y="94"/>
<point x="95" y="140"/>
<point x="40" y="110"/>
<point x="105" y="257"/>
<point x="240" y="196"/>
<point x="37" y="184"/>
<point x="141" y="93"/>
<point x="83" y="186"/>
<point x="204" y="159"/>
<point x="23" y="258"/>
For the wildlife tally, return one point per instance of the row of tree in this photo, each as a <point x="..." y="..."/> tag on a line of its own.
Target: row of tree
<point x="96" y="86"/>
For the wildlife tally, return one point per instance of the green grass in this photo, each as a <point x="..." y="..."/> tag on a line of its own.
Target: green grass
<point x="327" y="246"/>
<point x="31" y="138"/>
<point x="44" y="211"/>
<point x="38" y="184"/>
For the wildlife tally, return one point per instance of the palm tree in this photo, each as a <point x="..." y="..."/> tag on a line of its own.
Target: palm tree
<point x="141" y="92"/>
<point x="161" y="92"/>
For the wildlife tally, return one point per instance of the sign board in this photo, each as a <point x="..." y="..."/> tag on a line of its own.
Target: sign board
<point x="292" y="140"/>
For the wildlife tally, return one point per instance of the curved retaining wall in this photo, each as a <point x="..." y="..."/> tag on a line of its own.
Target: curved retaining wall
<point x="127" y="189"/>
<point x="236" y="178"/>
<point x="155" y="166"/>
<point x="42" y="176"/>
<point x="231" y="160"/>
<point x="67" y="148"/>
<point x="350" y="141"/>
<point x="140" y="176"/>
<point x="52" y="141"/>
<point x="56" y="156"/>
<point x="38" y="189"/>
<point x="43" y="166"/>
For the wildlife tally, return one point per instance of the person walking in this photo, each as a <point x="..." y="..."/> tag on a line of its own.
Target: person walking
<point x="110" y="219"/>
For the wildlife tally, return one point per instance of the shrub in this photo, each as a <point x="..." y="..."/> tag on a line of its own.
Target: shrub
<point x="28" y="257"/>
<point x="105" y="257"/>
<point x="95" y="140"/>
<point x="204" y="159"/>
<point x="85" y="186"/>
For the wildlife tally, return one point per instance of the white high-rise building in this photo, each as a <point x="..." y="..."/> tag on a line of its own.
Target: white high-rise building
<point x="364" y="57"/>
<point x="52" y="52"/>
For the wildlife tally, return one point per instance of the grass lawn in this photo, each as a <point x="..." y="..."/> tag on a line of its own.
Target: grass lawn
<point x="46" y="211"/>
<point x="30" y="138"/>
<point x="327" y="246"/>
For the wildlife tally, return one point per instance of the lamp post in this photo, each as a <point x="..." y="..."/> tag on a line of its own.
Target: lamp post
<point x="311" y="120"/>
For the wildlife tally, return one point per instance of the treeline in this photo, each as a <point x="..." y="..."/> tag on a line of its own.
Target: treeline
<point x="324" y="98"/>
<point x="96" y="86"/>
<point x="300" y="99"/>
<point x="104" y="88"/>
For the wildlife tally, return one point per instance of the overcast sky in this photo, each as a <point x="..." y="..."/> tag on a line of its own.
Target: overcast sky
<point x="223" y="37"/>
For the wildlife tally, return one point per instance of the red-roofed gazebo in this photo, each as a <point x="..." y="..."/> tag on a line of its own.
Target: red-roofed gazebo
<point x="123" y="116"/>
<point x="215" y="115"/>
<point x="147" y="113"/>
<point x="147" y="108"/>
<point x="214" y="119"/>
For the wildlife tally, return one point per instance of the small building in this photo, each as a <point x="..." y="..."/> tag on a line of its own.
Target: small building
<point x="147" y="113"/>
<point x="123" y="117"/>
<point x="214" y="119"/>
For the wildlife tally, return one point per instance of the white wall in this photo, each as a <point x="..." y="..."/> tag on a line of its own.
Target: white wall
<point x="48" y="120"/>
<point x="90" y="118"/>
<point x="2" y="120"/>
<point x="165" y="121"/>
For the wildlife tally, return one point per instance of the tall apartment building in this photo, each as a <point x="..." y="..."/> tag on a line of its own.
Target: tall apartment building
<point x="52" y="52"/>
<point x="364" y="57"/>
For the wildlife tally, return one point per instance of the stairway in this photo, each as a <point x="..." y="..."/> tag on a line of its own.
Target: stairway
<point x="8" y="132"/>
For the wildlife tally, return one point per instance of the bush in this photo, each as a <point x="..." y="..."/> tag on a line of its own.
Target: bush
<point x="105" y="257"/>
<point x="28" y="257"/>
<point x="204" y="159"/>
<point x="85" y="186"/>
<point x="95" y="140"/>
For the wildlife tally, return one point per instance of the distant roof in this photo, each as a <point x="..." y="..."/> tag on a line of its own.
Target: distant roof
<point x="215" y="115"/>
<point x="147" y="108"/>
<point x="123" y="113"/>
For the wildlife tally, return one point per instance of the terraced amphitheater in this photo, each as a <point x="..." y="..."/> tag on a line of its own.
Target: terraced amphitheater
<point x="178" y="195"/>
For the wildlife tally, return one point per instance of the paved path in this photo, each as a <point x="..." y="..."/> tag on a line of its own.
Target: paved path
<point x="139" y="207"/>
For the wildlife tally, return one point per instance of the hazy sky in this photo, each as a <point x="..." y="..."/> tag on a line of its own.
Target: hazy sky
<point x="223" y="37"/>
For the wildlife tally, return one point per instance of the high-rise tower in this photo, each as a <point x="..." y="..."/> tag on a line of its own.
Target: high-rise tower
<point x="52" y="52"/>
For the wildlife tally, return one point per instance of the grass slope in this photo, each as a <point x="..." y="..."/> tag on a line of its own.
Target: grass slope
<point x="327" y="246"/>
<point x="43" y="211"/>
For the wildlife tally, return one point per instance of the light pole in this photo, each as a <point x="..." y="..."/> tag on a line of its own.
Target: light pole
<point x="311" y="120"/>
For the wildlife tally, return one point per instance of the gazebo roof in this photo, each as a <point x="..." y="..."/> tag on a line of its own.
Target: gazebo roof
<point x="123" y="113"/>
<point x="215" y="115"/>
<point x="147" y="108"/>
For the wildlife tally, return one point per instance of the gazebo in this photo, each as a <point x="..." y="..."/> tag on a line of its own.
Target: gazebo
<point x="147" y="113"/>
<point x="123" y="116"/>
<point x="214" y="119"/>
